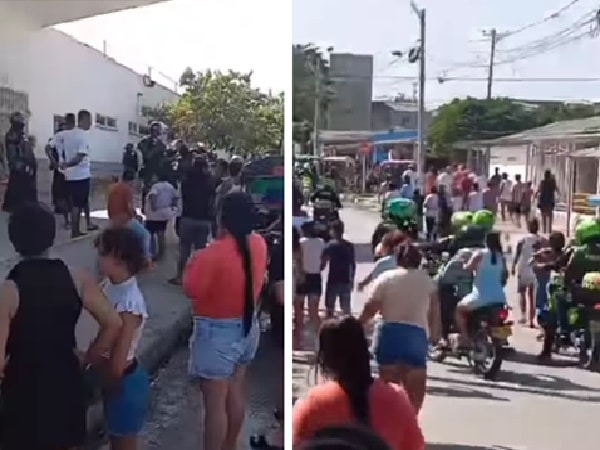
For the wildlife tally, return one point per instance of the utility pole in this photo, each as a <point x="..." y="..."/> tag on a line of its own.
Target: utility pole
<point x="494" y="39"/>
<point x="421" y="150"/>
<point x="317" y="106"/>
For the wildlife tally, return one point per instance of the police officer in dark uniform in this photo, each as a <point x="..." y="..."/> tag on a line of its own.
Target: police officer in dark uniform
<point x="130" y="163"/>
<point x="153" y="154"/>
<point x="22" y="166"/>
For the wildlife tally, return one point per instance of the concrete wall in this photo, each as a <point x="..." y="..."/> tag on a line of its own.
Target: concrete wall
<point x="387" y="116"/>
<point x="62" y="75"/>
<point x="352" y="77"/>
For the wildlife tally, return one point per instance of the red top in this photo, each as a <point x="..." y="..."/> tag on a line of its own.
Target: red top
<point x="392" y="415"/>
<point x="214" y="277"/>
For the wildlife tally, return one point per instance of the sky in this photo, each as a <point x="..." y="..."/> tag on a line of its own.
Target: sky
<point x="215" y="34"/>
<point x="454" y="37"/>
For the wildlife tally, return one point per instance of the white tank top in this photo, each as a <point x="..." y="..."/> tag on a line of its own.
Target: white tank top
<point x="127" y="297"/>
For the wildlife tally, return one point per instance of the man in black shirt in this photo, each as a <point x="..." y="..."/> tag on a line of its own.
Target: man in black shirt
<point x="342" y="267"/>
<point x="130" y="163"/>
<point x="197" y="212"/>
<point x="326" y="193"/>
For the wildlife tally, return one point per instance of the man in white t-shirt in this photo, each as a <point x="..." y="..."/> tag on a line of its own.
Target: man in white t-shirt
<point x="526" y="247"/>
<point x="444" y="179"/>
<point x="505" y="196"/>
<point x="75" y="165"/>
<point x="410" y="172"/>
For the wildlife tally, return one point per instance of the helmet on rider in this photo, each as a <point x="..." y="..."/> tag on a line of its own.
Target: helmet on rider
<point x="587" y="231"/>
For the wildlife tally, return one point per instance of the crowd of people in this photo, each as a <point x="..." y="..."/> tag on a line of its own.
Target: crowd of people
<point x="458" y="189"/>
<point x="47" y="381"/>
<point x="406" y="301"/>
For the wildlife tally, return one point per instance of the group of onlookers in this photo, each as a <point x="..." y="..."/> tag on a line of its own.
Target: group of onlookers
<point x="46" y="379"/>
<point x="458" y="189"/>
<point x="385" y="407"/>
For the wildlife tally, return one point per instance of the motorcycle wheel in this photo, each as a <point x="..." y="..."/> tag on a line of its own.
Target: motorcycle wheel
<point x="487" y="355"/>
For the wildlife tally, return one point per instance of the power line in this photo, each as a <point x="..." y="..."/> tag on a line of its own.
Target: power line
<point x="586" y="26"/>
<point x="500" y="79"/>
<point x="555" y="15"/>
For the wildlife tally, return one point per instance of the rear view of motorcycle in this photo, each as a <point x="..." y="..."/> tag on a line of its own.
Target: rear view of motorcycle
<point x="488" y="333"/>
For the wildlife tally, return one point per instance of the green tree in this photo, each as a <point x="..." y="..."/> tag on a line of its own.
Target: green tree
<point x="223" y="110"/>
<point x="476" y="119"/>
<point x="310" y="80"/>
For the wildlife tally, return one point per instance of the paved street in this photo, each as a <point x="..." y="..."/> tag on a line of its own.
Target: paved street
<point x="530" y="407"/>
<point x="175" y="418"/>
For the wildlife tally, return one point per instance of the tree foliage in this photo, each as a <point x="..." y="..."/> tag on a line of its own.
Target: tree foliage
<point x="310" y="80"/>
<point x="476" y="119"/>
<point x="223" y="110"/>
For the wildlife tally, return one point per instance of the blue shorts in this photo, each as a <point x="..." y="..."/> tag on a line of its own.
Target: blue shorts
<point x="125" y="408"/>
<point x="401" y="343"/>
<point x="218" y="347"/>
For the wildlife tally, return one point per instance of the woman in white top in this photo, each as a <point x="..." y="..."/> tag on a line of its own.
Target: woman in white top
<point x="311" y="286"/>
<point x="161" y="206"/>
<point x="406" y="298"/>
<point x="475" y="199"/>
<point x="126" y="382"/>
<point x="431" y="205"/>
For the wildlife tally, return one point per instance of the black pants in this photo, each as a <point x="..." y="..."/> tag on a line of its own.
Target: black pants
<point x="430" y="227"/>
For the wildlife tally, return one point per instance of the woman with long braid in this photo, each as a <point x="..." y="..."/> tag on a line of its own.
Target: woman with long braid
<point x="223" y="282"/>
<point x="353" y="395"/>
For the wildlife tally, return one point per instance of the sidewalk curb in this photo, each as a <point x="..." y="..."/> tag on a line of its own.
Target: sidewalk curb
<point x="152" y="357"/>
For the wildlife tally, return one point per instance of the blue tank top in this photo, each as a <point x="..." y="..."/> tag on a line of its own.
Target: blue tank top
<point x="487" y="285"/>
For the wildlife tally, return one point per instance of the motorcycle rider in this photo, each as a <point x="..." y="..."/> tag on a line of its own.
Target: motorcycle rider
<point x="490" y="275"/>
<point x="583" y="259"/>
<point x="328" y="194"/>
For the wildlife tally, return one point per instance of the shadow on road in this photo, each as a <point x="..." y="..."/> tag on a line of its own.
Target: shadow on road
<point x="467" y="393"/>
<point x="530" y="384"/>
<point x="363" y="253"/>
<point x="531" y="359"/>
<point x="465" y="447"/>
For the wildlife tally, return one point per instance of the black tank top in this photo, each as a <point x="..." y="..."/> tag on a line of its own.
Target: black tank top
<point x="42" y="333"/>
<point x="43" y="393"/>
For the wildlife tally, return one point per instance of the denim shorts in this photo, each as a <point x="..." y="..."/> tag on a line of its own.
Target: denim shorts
<point x="343" y="291"/>
<point x="218" y="347"/>
<point x="125" y="408"/>
<point x="401" y="343"/>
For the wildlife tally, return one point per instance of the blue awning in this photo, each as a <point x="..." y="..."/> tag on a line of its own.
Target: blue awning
<point x="404" y="135"/>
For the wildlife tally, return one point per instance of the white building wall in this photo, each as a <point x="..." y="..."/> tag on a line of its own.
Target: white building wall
<point x="63" y="75"/>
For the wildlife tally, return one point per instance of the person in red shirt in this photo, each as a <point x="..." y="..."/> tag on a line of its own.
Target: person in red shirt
<point x="223" y="282"/>
<point x="353" y="395"/>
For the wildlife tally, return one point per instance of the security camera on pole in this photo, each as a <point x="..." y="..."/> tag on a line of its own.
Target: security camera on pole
<point x="414" y="55"/>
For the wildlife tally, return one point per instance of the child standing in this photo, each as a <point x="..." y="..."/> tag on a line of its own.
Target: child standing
<point x="162" y="201"/>
<point x="339" y="254"/>
<point x="126" y="383"/>
<point x="312" y="248"/>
